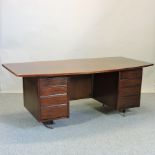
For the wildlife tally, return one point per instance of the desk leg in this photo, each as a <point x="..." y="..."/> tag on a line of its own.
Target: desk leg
<point x="123" y="112"/>
<point x="48" y="124"/>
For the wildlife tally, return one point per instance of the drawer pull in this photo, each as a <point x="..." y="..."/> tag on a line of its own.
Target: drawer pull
<point x="54" y="100"/>
<point x="54" y="112"/>
<point x="55" y="95"/>
<point x="129" y="91"/>
<point x="46" y="82"/>
<point x="129" y="83"/>
<point x="129" y="102"/>
<point x="55" y="105"/>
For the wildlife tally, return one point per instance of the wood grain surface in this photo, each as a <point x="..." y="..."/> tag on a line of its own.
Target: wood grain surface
<point x="73" y="67"/>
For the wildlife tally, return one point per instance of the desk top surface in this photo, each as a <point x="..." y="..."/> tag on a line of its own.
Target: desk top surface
<point x="74" y="66"/>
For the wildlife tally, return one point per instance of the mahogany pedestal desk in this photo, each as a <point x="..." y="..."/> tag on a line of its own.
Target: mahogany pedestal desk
<point x="48" y="86"/>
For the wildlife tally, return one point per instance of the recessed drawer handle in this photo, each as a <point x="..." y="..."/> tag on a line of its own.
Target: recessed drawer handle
<point x="51" y="86"/>
<point x="49" y="96"/>
<point x="50" y="106"/>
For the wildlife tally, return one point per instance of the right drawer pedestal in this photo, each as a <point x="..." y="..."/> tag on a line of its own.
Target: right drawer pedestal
<point x="129" y="89"/>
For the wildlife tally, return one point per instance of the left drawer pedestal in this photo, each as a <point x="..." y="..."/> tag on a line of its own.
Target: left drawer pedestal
<point x="46" y="98"/>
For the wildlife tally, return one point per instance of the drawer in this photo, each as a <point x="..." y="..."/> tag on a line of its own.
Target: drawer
<point x="54" y="112"/>
<point x="129" y="102"/>
<point x="51" y="81"/>
<point x="124" y="83"/>
<point x="57" y="99"/>
<point x="129" y="91"/>
<point x="131" y="74"/>
<point x="52" y="90"/>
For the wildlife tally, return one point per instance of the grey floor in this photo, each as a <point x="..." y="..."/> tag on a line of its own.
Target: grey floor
<point x="89" y="131"/>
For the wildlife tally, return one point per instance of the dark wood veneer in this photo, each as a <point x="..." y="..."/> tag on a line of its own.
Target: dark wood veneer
<point x="45" y="98"/>
<point x="74" y="67"/>
<point x="129" y="102"/>
<point x="80" y="87"/>
<point x="54" y="112"/>
<point x="31" y="99"/>
<point x="53" y="90"/>
<point x="105" y="88"/>
<point x="54" y="100"/>
<point x="52" y="81"/>
<point x="131" y="74"/>
<point x="49" y="86"/>
<point x="129" y="92"/>
<point x="130" y="83"/>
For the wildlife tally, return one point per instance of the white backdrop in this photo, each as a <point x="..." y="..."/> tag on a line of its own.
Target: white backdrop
<point x="48" y="30"/>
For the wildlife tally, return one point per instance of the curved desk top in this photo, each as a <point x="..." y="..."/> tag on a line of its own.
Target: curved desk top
<point x="74" y="66"/>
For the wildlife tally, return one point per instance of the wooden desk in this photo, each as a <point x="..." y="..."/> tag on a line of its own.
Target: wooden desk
<point x="50" y="85"/>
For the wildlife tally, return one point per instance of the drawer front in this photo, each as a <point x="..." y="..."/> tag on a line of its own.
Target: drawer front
<point x="51" y="81"/>
<point x="129" y="91"/>
<point x="54" y="112"/>
<point x="54" y="100"/>
<point x="125" y="83"/>
<point x="131" y="74"/>
<point x="129" y="102"/>
<point x="52" y="90"/>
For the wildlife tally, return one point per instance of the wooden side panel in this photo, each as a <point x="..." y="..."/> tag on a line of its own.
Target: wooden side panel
<point x="105" y="88"/>
<point x="129" y="88"/>
<point x="80" y="87"/>
<point x="31" y="102"/>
